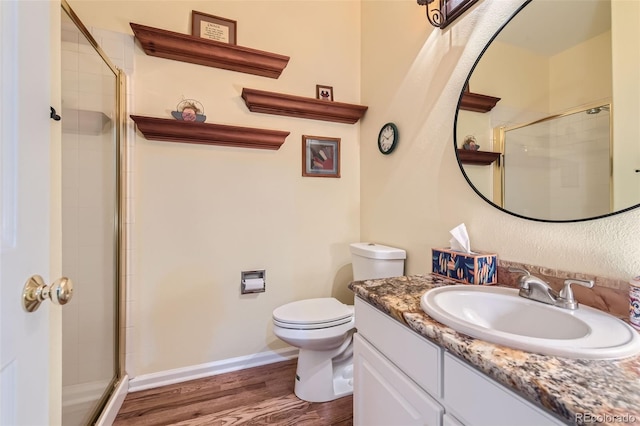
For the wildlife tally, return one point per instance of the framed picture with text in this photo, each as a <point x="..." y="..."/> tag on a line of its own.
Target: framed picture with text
<point x="213" y="27"/>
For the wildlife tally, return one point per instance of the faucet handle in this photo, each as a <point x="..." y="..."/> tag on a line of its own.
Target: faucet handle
<point x="523" y="280"/>
<point x="521" y="270"/>
<point x="567" y="292"/>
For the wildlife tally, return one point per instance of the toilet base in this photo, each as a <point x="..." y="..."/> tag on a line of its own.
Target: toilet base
<point x="325" y="375"/>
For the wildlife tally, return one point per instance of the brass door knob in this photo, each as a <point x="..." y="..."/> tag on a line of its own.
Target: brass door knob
<point x="36" y="291"/>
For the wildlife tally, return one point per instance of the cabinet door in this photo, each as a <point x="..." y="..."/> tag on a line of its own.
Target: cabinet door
<point x="384" y="396"/>
<point x="476" y="400"/>
<point x="449" y="420"/>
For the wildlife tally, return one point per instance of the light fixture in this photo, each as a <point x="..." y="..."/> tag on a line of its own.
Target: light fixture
<point x="441" y="13"/>
<point x="434" y="11"/>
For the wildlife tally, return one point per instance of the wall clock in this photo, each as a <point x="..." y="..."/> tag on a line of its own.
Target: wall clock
<point x="388" y="138"/>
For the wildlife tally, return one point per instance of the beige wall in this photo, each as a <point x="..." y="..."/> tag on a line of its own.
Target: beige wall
<point x="204" y="213"/>
<point x="412" y="198"/>
<point x="581" y="75"/>
<point x="501" y="72"/>
<point x="555" y="84"/>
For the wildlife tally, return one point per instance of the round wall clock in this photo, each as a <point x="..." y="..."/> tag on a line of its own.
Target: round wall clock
<point x="388" y="138"/>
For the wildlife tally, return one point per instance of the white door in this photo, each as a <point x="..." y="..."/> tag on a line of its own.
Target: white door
<point x="30" y="226"/>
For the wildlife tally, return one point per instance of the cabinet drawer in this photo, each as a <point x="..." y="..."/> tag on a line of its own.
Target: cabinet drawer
<point x="475" y="399"/>
<point x="414" y="355"/>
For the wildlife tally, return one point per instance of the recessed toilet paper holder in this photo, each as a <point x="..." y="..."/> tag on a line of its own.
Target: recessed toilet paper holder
<point x="253" y="281"/>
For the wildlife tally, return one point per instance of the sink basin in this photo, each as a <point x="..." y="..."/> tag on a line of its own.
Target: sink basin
<point x="499" y="315"/>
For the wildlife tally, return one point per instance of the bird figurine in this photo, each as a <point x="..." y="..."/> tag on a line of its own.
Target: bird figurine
<point x="189" y="110"/>
<point x="470" y="143"/>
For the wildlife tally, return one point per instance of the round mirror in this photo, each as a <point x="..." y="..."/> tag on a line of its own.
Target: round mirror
<point x="548" y="124"/>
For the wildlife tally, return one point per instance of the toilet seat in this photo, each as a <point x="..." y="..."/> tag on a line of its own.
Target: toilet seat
<point x="315" y="326"/>
<point x="311" y="314"/>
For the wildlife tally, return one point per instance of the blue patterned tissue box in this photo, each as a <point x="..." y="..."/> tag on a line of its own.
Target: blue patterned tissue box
<point x="469" y="268"/>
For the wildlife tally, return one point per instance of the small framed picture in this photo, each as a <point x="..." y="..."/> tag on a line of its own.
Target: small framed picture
<point x="324" y="92"/>
<point x="212" y="27"/>
<point x="320" y="156"/>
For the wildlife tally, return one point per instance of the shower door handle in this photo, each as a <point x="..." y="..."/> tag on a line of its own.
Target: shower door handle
<point x="36" y="291"/>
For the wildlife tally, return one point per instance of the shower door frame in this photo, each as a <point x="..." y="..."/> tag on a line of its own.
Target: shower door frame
<point x="120" y="241"/>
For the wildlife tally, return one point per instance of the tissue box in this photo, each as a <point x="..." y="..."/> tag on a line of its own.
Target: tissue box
<point x="469" y="268"/>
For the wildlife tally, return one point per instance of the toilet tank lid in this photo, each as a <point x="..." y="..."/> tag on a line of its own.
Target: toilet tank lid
<point x="377" y="251"/>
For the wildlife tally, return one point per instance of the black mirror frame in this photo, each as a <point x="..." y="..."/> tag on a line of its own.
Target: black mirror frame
<point x="455" y="142"/>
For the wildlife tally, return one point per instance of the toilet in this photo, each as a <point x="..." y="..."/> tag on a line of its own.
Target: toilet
<point x="323" y="328"/>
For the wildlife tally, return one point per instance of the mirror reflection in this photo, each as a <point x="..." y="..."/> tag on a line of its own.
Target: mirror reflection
<point x="552" y="106"/>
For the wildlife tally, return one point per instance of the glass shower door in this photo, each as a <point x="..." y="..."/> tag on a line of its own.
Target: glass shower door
<point x="89" y="223"/>
<point x="560" y="167"/>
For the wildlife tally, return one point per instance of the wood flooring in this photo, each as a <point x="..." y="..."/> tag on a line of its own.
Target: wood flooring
<point x="255" y="396"/>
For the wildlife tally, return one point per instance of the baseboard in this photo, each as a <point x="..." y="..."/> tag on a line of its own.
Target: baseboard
<point x="110" y="412"/>
<point x="178" y="375"/>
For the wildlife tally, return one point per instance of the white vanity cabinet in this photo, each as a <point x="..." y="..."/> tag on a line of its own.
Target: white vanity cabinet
<point x="402" y="379"/>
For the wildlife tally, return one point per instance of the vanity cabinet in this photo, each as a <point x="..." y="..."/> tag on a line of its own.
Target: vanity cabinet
<point x="401" y="378"/>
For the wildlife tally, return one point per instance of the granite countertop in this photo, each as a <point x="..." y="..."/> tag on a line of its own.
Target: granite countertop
<point x="596" y="389"/>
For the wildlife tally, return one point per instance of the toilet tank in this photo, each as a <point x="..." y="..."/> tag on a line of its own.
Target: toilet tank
<point x="372" y="261"/>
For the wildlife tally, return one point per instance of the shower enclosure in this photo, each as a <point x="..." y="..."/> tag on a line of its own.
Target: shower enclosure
<point x="564" y="162"/>
<point x="92" y="110"/>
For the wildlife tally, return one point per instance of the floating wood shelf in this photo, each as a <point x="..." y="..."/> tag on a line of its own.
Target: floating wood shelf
<point x="301" y="107"/>
<point x="197" y="50"/>
<point x="479" y="158"/>
<point x="163" y="129"/>
<point x="477" y="102"/>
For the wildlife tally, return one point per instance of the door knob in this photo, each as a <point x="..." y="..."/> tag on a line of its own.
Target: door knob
<point x="36" y="291"/>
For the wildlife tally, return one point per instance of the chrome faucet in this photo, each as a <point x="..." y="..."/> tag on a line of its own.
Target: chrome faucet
<point x="534" y="288"/>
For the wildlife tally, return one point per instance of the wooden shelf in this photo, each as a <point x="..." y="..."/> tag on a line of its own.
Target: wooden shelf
<point x="196" y="50"/>
<point x="477" y="102"/>
<point x="164" y="129"/>
<point x="479" y="158"/>
<point x="301" y="107"/>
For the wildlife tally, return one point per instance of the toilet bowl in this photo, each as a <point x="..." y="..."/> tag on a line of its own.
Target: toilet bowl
<point x="322" y="328"/>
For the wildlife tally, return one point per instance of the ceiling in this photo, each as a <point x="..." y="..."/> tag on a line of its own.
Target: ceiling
<point x="565" y="23"/>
